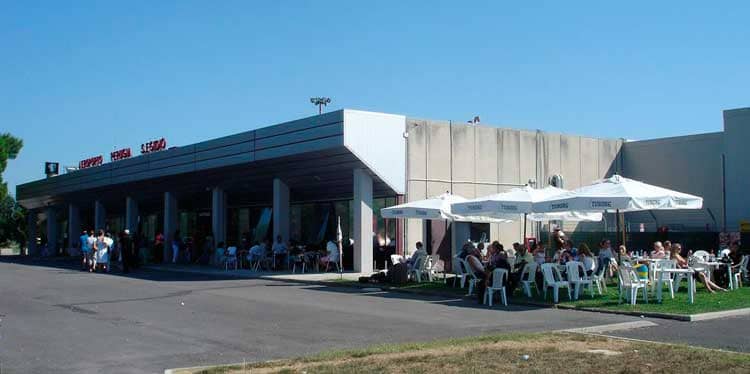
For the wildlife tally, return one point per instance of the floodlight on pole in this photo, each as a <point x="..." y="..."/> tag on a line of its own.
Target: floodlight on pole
<point x="320" y="102"/>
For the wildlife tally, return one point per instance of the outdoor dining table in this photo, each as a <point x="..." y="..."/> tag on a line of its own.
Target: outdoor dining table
<point x="691" y="282"/>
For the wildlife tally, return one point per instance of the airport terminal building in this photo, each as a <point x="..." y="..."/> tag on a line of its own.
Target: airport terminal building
<point x="294" y="179"/>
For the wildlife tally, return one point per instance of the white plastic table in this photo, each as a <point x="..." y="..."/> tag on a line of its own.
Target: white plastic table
<point x="691" y="283"/>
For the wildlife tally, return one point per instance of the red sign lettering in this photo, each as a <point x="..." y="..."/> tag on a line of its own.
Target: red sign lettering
<point x="154" y="146"/>
<point x="91" y="162"/>
<point x="120" y="154"/>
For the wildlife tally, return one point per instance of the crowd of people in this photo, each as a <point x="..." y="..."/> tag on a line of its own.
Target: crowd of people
<point x="606" y="262"/>
<point x="98" y="248"/>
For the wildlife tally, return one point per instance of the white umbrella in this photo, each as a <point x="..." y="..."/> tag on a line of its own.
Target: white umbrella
<point x="621" y="194"/>
<point x="520" y="201"/>
<point x="438" y="207"/>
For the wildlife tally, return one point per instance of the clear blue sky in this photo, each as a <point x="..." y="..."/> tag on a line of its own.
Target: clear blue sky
<point x="79" y="78"/>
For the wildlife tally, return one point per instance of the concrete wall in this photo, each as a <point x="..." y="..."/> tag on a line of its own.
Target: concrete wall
<point x="484" y="160"/>
<point x="690" y="164"/>
<point x="736" y="141"/>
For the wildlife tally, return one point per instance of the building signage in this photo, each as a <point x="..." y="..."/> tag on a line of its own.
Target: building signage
<point x="91" y="162"/>
<point x="154" y="146"/>
<point x="51" y="168"/>
<point x="120" y="154"/>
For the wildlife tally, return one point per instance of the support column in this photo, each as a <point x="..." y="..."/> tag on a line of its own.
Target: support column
<point x="131" y="215"/>
<point x="280" y="209"/>
<point x="31" y="232"/>
<point x="460" y="234"/>
<point x="219" y="215"/>
<point x="100" y="216"/>
<point x="74" y="226"/>
<point x="51" y="214"/>
<point x="362" y="213"/>
<point x="170" y="223"/>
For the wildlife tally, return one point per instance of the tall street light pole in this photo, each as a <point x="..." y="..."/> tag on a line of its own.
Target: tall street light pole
<point x="320" y="102"/>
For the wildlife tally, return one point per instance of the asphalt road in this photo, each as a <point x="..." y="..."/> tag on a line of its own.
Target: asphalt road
<point x="58" y="319"/>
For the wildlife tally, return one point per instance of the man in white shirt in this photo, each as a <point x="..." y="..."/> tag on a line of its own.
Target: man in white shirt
<point x="419" y="253"/>
<point x="279" y="252"/>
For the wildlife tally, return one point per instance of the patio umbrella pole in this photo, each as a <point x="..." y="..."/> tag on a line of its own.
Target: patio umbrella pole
<point x="524" y="229"/>
<point x="617" y="222"/>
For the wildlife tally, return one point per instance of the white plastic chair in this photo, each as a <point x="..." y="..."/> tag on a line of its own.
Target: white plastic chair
<point x="703" y="255"/>
<point x="433" y="268"/>
<point x="573" y="270"/>
<point x="460" y="273"/>
<point x="744" y="268"/>
<point x="418" y="269"/>
<point x="553" y="279"/>
<point x="396" y="259"/>
<point x="498" y="278"/>
<point x="231" y="257"/>
<point x="630" y="284"/>
<point x="528" y="278"/>
<point x="470" y="276"/>
<point x="666" y="278"/>
<point x="739" y="271"/>
<point x="298" y="259"/>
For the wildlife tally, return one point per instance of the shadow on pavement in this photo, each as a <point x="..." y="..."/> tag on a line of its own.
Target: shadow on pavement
<point x="165" y="275"/>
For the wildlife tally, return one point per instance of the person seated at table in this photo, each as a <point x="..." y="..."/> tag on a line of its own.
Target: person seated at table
<point x="332" y="255"/>
<point x="658" y="251"/>
<point x="511" y="252"/>
<point x="667" y="248"/>
<point x="419" y="253"/>
<point x="734" y="253"/>
<point x="523" y="257"/>
<point x="256" y="253"/>
<point x="606" y="259"/>
<point x="280" y="251"/>
<point x="571" y="249"/>
<point x="562" y="255"/>
<point x="473" y="259"/>
<point x="499" y="260"/>
<point x="218" y="258"/>
<point x="466" y="250"/>
<point x="540" y="255"/>
<point x="623" y="252"/>
<point x="587" y="259"/>
<point x="682" y="263"/>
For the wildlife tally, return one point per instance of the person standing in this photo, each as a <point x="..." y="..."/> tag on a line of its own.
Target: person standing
<point x="85" y="249"/>
<point x="279" y="252"/>
<point x="127" y="251"/>
<point x="91" y="259"/>
<point x="176" y="246"/>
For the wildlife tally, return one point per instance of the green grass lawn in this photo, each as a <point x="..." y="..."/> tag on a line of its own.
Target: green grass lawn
<point x="704" y="301"/>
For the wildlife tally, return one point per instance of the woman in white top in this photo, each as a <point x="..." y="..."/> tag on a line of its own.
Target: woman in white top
<point x="587" y="258"/>
<point x="101" y="246"/>
<point x="607" y="257"/>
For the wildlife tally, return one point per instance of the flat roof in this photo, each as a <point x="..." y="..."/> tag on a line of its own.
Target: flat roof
<point x="316" y="155"/>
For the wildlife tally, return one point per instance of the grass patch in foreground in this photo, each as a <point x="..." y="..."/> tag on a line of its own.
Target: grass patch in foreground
<point x="704" y="301"/>
<point x="548" y="353"/>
